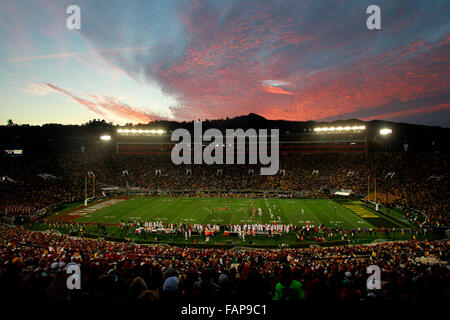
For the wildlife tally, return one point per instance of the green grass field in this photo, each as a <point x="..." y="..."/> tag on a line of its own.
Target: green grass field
<point x="340" y="213"/>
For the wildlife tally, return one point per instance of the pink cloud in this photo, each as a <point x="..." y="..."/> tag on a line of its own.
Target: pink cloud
<point x="109" y="106"/>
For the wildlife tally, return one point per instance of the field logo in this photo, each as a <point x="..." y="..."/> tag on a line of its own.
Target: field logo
<point x="74" y="280"/>
<point x="214" y="152"/>
<point x="374" y="280"/>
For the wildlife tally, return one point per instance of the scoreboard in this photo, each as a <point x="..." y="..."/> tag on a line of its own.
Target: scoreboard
<point x="13" y="152"/>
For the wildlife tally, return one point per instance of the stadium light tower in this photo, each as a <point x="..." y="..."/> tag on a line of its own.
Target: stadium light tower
<point x="105" y="139"/>
<point x="386" y="132"/>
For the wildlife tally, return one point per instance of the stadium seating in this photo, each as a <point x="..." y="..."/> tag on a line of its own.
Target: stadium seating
<point x="410" y="186"/>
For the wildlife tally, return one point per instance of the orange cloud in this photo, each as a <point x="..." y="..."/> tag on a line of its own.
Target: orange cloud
<point x="276" y="90"/>
<point x="108" y="106"/>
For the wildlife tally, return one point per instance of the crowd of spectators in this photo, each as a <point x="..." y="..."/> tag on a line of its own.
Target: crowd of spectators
<point x="24" y="192"/>
<point x="33" y="265"/>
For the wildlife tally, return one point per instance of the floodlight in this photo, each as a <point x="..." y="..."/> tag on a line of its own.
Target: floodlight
<point x="105" y="138"/>
<point x="340" y="129"/>
<point x="140" y="131"/>
<point x="385" y="131"/>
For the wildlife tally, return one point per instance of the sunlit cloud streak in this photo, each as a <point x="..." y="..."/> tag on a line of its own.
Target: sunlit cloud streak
<point x="65" y="55"/>
<point x="106" y="106"/>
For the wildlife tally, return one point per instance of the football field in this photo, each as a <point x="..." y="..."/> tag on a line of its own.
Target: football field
<point x="346" y="214"/>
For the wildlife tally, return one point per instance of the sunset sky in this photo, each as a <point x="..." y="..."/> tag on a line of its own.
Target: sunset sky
<point x="137" y="61"/>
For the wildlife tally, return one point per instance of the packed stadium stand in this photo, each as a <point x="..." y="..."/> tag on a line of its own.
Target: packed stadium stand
<point x="33" y="266"/>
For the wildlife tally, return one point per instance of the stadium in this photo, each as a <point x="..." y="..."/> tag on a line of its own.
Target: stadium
<point x="338" y="196"/>
<point x="178" y="155"/>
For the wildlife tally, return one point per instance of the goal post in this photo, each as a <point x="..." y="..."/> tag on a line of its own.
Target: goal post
<point x="88" y="200"/>
<point x="372" y="195"/>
